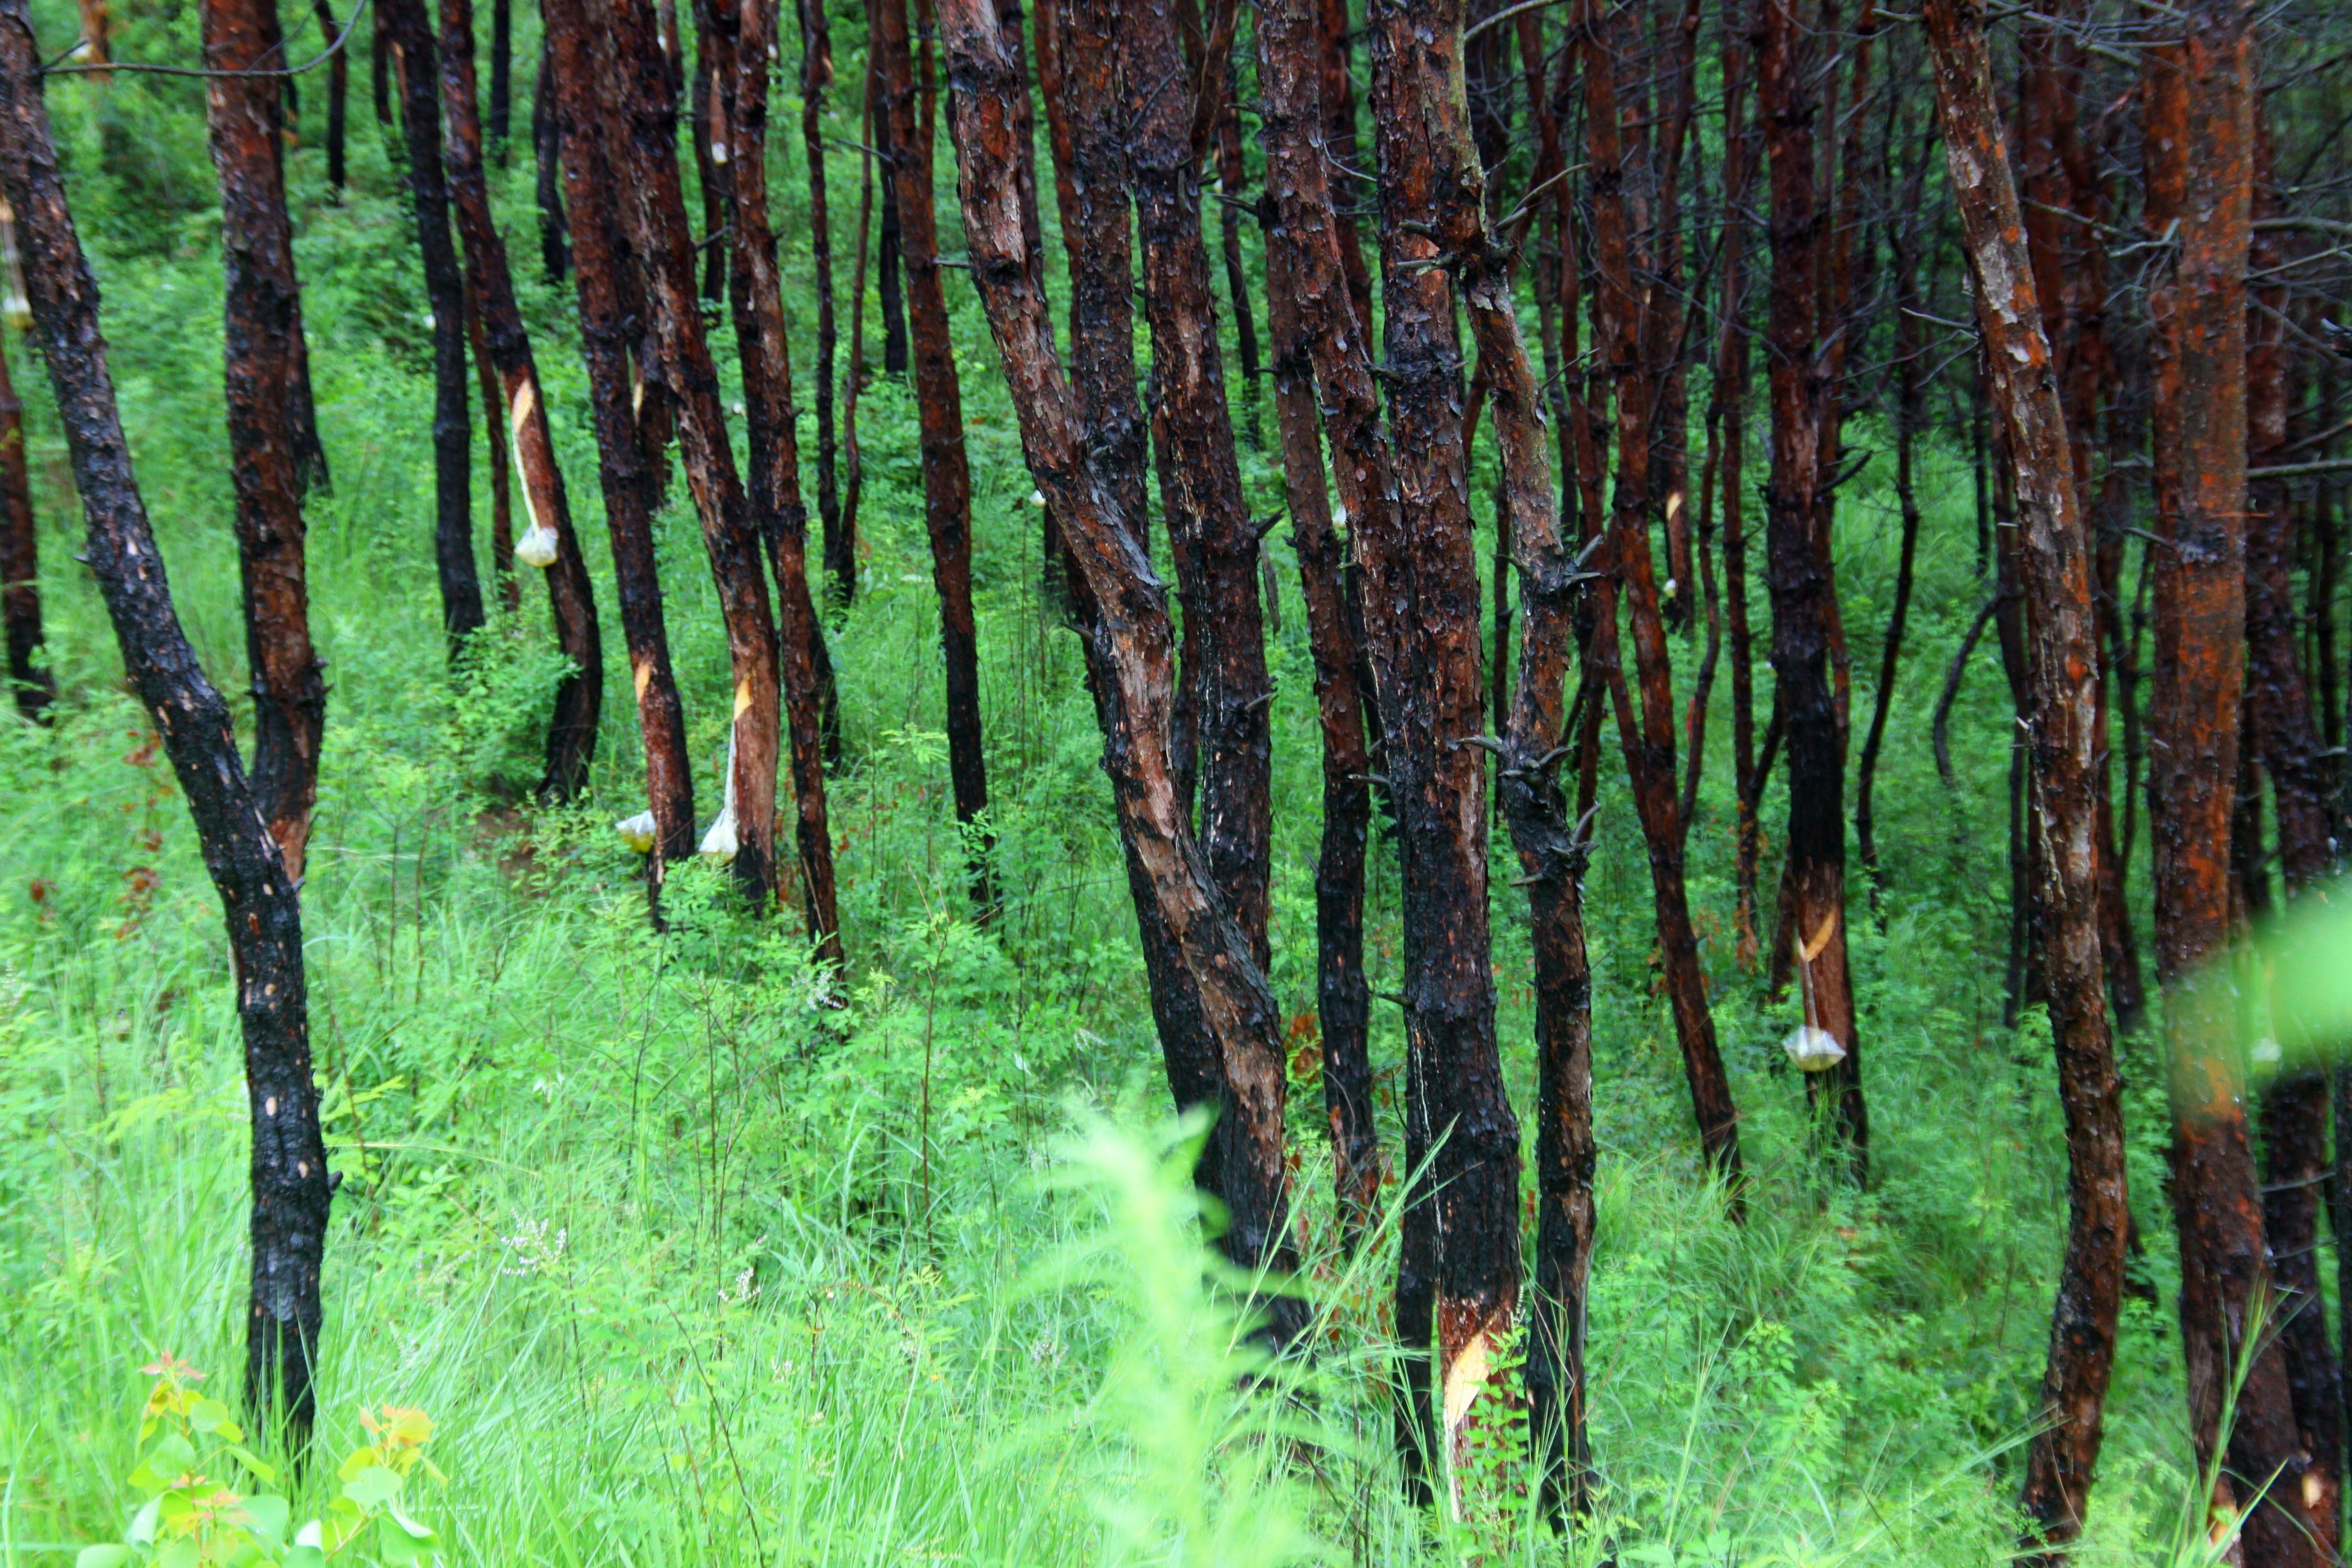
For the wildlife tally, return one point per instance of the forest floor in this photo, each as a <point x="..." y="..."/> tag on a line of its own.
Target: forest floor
<point x="687" y="1266"/>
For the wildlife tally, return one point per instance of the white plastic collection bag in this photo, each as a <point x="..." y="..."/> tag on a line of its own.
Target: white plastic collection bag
<point x="638" y="832"/>
<point x="720" y="842"/>
<point x="538" y="545"/>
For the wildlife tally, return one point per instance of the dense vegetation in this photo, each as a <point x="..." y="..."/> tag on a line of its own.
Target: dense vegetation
<point x="697" y="1249"/>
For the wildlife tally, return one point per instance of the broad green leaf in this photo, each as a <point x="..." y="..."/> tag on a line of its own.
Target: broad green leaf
<point x="142" y="1524"/>
<point x="102" y="1557"/>
<point x="417" y="1531"/>
<point x="372" y="1488"/>
<point x="269" y="1516"/>
<point x="179" y="1553"/>
<point x="211" y="1415"/>
<point x="393" y="1544"/>
<point x="261" y="1470"/>
<point x="305" y="1555"/>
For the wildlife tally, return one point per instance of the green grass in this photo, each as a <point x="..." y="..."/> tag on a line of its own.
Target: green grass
<point x="689" y="1270"/>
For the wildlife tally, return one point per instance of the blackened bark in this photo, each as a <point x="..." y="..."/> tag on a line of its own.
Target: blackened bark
<point x="580" y="695"/>
<point x="2281" y="735"/>
<point x="709" y="122"/>
<point x="2198" y="177"/>
<point x="774" y="484"/>
<point x="1552" y="851"/>
<point x="1291" y="104"/>
<point x="1910" y="419"/>
<point x="841" y="545"/>
<point x="259" y="903"/>
<point x="503" y="77"/>
<point x="339" y="88"/>
<point x="947" y="471"/>
<point x="1201" y="974"/>
<point x="409" y="34"/>
<point x="1799" y="575"/>
<point x="1458" y="1276"/>
<point x="646" y="172"/>
<point x="546" y="146"/>
<point x="1232" y="214"/>
<point x="29" y="677"/>
<point x="1215" y="543"/>
<point x="888" y="244"/>
<point x="502" y="572"/>
<point x="1638" y="369"/>
<point x="2053" y="563"/>
<point x="584" y="112"/>
<point x="816" y="81"/>
<point x="263" y="322"/>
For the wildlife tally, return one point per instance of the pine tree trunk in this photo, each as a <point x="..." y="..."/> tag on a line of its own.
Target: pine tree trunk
<point x="1805" y="636"/>
<point x="583" y="108"/>
<point x="547" y="153"/>
<point x="263" y="321"/>
<point x="2197" y="110"/>
<point x="1637" y="361"/>
<point x="775" y="478"/>
<point x="1216" y="1012"/>
<point x="816" y="81"/>
<point x="260" y="904"/>
<point x="1300" y="258"/>
<point x="645" y="170"/>
<point x="339" y="88"/>
<point x="2053" y="564"/>
<point x="29" y="677"/>
<point x="947" y="471"/>
<point x="408" y="33"/>
<point x="580" y="695"/>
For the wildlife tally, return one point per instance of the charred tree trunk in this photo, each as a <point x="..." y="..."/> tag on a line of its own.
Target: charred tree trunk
<point x="888" y="244"/>
<point x="1214" y="541"/>
<point x="1203" y="977"/>
<point x="1730" y="396"/>
<point x="2062" y="676"/>
<point x="1298" y="196"/>
<point x="2198" y="177"/>
<point x="816" y="81"/>
<point x="263" y="318"/>
<point x="1458" y="1276"/>
<point x="1646" y="731"/>
<point x="1803" y="590"/>
<point x="29" y="677"/>
<point x="1551" y="848"/>
<point x="709" y="120"/>
<point x="554" y="244"/>
<point x="775" y="479"/>
<point x="339" y="88"/>
<point x="841" y="545"/>
<point x="646" y="168"/>
<point x="2281" y="736"/>
<point x="947" y="472"/>
<point x="503" y="78"/>
<point x="583" y="110"/>
<point x="580" y="695"/>
<point x="409" y="34"/>
<point x="1910" y="419"/>
<point x="502" y="562"/>
<point x="260" y="901"/>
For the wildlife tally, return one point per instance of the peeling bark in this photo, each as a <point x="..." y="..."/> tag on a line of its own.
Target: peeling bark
<point x="580" y="695"/>
<point x="263" y="321"/>
<point x="646" y="168"/>
<point x="260" y="901"/>
<point x="2197" y="112"/>
<point x="1202" y="976"/>
<point x="775" y="478"/>
<point x="602" y="260"/>
<point x="947" y="470"/>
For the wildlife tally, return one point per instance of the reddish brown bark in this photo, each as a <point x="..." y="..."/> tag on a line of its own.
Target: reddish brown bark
<point x="646" y="168"/>
<point x="2281" y="736"/>
<point x="554" y="237"/>
<point x="1201" y="971"/>
<point x="2197" y="108"/>
<point x="601" y="261"/>
<point x="2053" y="553"/>
<point x="1729" y="412"/>
<point x="1638" y="365"/>
<point x="1458" y="1275"/>
<point x="580" y="695"/>
<point x="775" y="475"/>
<point x="408" y="33"/>
<point x="1551" y="848"/>
<point x="939" y="398"/>
<point x="339" y="88"/>
<point x="263" y="321"/>
<point x="260" y="903"/>
<point x="840" y="543"/>
<point x="1340" y="132"/>
<point x="1805" y="636"/>
<point x="502" y="564"/>
<point x="29" y="676"/>
<point x="816" y="81"/>
<point x="1214" y="541"/>
<point x="1291" y="105"/>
